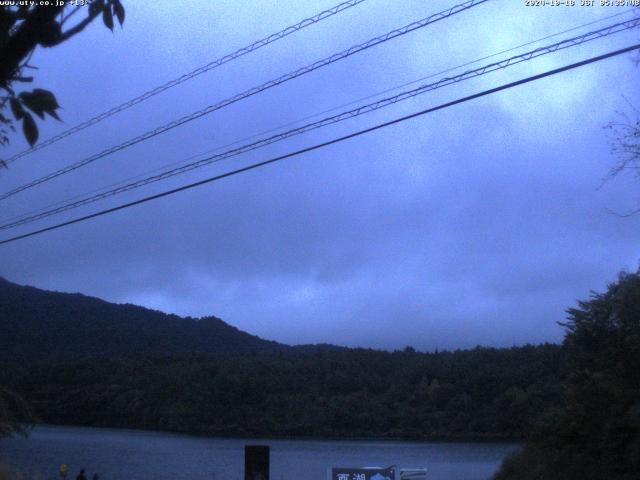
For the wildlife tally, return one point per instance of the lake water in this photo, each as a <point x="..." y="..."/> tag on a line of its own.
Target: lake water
<point x="129" y="454"/>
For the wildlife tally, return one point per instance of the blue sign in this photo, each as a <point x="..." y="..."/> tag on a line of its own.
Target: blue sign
<point x="364" y="473"/>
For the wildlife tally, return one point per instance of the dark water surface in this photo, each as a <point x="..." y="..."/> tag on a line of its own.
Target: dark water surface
<point x="129" y="454"/>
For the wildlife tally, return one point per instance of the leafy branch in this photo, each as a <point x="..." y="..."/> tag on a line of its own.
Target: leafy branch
<point x="24" y="28"/>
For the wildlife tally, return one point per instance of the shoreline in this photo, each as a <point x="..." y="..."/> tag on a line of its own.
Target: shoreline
<point x="307" y="438"/>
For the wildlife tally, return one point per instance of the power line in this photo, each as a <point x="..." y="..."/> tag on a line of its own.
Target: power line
<point x="330" y="142"/>
<point x="457" y="67"/>
<point x="253" y="91"/>
<point x="317" y="114"/>
<point x="314" y="115"/>
<point x="514" y="60"/>
<point x="188" y="76"/>
<point x="337" y="107"/>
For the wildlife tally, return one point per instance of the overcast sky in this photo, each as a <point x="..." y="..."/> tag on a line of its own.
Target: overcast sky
<point x="478" y="224"/>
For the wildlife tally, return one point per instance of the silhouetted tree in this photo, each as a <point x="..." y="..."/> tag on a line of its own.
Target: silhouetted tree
<point x="596" y="432"/>
<point x="22" y="29"/>
<point x="625" y="144"/>
<point x="15" y="414"/>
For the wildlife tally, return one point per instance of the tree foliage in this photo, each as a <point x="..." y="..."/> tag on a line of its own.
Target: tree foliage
<point x="23" y="28"/>
<point x="16" y="415"/>
<point x="625" y="144"/>
<point x="483" y="393"/>
<point x="80" y="360"/>
<point x="596" y="432"/>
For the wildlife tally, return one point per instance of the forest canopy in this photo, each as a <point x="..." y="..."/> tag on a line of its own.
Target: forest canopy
<point x="595" y="432"/>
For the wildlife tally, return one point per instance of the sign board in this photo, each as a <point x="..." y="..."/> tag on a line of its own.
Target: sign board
<point x="362" y="473"/>
<point x="413" y="474"/>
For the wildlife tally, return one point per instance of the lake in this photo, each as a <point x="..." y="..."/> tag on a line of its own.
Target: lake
<point x="129" y="454"/>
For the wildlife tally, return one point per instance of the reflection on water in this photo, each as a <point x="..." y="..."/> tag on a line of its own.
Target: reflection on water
<point x="128" y="454"/>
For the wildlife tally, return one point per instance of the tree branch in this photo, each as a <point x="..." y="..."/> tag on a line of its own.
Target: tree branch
<point x="25" y="39"/>
<point x="76" y="29"/>
<point x="71" y="14"/>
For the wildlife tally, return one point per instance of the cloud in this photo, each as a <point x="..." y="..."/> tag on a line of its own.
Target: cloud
<point x="478" y="224"/>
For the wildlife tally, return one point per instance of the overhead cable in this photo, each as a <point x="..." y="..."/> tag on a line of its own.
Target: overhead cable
<point x="327" y="143"/>
<point x="385" y="102"/>
<point x="253" y="91"/>
<point x="188" y="76"/>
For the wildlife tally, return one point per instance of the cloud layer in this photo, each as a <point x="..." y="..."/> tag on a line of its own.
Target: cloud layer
<point x="478" y="224"/>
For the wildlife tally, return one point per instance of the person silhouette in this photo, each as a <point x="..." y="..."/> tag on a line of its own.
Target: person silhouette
<point x="95" y="477"/>
<point x="81" y="475"/>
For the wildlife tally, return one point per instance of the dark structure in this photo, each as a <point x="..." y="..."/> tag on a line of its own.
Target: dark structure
<point x="256" y="462"/>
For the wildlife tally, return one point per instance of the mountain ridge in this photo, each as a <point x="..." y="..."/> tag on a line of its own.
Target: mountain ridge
<point x="45" y="325"/>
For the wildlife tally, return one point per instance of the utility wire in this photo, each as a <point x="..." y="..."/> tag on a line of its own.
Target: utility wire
<point x="188" y="76"/>
<point x="308" y="117"/>
<point x="599" y="20"/>
<point x="514" y="60"/>
<point x="330" y="142"/>
<point x="253" y="91"/>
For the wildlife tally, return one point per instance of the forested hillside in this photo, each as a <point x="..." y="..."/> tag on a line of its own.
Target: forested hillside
<point x="80" y="360"/>
<point x="38" y="325"/>
<point x="483" y="393"/>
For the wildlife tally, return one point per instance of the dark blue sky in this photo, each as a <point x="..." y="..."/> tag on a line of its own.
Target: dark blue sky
<point x="475" y="225"/>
